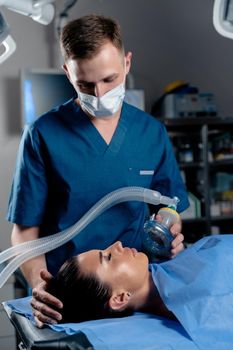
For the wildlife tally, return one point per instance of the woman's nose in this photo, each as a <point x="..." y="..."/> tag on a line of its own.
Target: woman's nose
<point x="118" y="246"/>
<point x="115" y="248"/>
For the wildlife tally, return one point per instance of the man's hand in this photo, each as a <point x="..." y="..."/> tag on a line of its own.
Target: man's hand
<point x="177" y="244"/>
<point x="43" y="303"/>
<point x="34" y="270"/>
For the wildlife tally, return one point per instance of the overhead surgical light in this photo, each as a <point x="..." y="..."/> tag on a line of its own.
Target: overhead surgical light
<point x="223" y="17"/>
<point x="41" y="11"/>
<point x="7" y="43"/>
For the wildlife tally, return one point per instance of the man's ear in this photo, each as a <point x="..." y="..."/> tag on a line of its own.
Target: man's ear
<point x="119" y="301"/>
<point x="64" y="67"/>
<point x="128" y="58"/>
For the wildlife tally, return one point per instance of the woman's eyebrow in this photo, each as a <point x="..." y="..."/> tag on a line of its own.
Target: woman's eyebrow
<point x="101" y="257"/>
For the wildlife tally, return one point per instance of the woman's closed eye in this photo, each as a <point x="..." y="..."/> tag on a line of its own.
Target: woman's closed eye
<point x="108" y="256"/>
<point x="105" y="257"/>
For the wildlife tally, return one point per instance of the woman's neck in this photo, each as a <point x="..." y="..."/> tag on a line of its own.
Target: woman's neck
<point x="152" y="302"/>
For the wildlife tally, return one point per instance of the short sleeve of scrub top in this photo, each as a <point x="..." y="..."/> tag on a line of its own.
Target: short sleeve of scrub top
<point x="29" y="188"/>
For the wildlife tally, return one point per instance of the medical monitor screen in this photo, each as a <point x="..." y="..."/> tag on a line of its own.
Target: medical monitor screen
<point x="42" y="91"/>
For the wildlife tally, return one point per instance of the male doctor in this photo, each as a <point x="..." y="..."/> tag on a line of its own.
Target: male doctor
<point x="75" y="154"/>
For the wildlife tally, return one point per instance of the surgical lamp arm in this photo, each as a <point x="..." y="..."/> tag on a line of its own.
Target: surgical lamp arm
<point x="41" y="11"/>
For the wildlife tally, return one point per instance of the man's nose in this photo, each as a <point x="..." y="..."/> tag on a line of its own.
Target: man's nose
<point x="99" y="90"/>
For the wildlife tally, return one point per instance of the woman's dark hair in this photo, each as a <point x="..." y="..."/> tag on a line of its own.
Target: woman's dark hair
<point x="84" y="297"/>
<point x="83" y="37"/>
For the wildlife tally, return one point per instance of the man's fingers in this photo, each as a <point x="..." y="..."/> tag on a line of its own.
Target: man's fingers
<point x="158" y="218"/>
<point x="41" y="319"/>
<point x="45" y="275"/>
<point x="176" y="229"/>
<point x="45" y="297"/>
<point x="44" y="313"/>
<point x="39" y="324"/>
<point x="177" y="240"/>
<point x="177" y="245"/>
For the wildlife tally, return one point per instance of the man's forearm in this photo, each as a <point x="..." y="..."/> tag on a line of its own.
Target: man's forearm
<point x="31" y="268"/>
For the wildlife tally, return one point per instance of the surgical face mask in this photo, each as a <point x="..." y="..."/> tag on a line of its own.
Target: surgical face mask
<point x="104" y="106"/>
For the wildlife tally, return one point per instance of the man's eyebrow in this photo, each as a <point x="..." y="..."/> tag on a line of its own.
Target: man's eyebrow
<point x="101" y="257"/>
<point x="111" y="76"/>
<point x="84" y="82"/>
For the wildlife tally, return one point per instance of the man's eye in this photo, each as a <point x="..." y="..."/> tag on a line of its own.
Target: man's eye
<point x="109" y="256"/>
<point x="82" y="86"/>
<point x="109" y="80"/>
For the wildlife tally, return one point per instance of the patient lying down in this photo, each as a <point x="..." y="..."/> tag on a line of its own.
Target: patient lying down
<point x="113" y="282"/>
<point x="195" y="287"/>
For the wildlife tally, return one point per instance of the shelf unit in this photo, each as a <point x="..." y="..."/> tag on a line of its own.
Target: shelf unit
<point x="201" y="169"/>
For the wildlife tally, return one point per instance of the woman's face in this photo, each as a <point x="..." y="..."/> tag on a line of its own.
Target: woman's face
<point x="117" y="266"/>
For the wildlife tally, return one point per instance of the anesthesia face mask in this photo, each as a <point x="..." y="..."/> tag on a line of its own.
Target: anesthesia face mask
<point x="104" y="106"/>
<point x="157" y="238"/>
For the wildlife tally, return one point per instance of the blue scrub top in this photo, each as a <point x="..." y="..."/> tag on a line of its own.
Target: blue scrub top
<point x="64" y="167"/>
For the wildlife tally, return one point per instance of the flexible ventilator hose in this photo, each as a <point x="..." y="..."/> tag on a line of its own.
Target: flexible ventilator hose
<point x="31" y="249"/>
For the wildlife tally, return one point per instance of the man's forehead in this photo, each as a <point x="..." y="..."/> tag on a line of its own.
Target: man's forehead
<point x="108" y="53"/>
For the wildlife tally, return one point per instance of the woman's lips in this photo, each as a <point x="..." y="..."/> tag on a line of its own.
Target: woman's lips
<point x="134" y="251"/>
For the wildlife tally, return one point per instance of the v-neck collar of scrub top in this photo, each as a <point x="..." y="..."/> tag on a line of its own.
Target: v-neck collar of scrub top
<point x="101" y="145"/>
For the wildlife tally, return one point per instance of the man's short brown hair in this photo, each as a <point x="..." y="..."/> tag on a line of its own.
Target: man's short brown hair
<point x="84" y="37"/>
